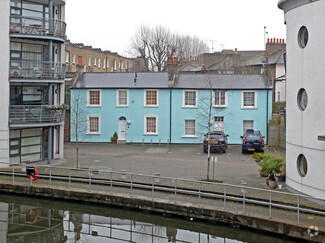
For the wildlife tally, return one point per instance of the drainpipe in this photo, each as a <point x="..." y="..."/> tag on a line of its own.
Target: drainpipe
<point x="170" y="114"/>
<point x="267" y="115"/>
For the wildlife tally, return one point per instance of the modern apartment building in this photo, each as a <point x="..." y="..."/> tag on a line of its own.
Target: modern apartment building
<point x="32" y="76"/>
<point x="305" y="139"/>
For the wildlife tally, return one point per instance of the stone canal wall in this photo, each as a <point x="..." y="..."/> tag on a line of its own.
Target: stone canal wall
<point x="187" y="210"/>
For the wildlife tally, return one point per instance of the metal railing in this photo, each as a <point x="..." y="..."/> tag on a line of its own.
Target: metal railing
<point x="20" y="69"/>
<point x="222" y="196"/>
<point x="37" y="26"/>
<point x="35" y="114"/>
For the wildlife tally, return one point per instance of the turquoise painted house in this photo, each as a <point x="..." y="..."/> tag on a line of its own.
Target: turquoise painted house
<point x="148" y="107"/>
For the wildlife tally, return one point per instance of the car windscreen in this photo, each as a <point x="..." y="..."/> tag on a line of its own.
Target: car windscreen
<point x="253" y="137"/>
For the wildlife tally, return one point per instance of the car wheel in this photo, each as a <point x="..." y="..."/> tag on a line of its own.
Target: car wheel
<point x="224" y="151"/>
<point x="243" y="151"/>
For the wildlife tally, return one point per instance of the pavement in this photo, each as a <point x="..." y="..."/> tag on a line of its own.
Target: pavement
<point x="179" y="161"/>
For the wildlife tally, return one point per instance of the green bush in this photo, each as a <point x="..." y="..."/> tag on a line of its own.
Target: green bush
<point x="271" y="167"/>
<point x="115" y="137"/>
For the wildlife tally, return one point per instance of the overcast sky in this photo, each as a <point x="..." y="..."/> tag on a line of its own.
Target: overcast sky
<point x="110" y="24"/>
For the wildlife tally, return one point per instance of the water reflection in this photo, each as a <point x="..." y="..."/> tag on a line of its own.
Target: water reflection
<point x="25" y="219"/>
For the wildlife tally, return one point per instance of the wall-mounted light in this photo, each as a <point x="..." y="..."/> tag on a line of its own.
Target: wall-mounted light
<point x="56" y="91"/>
<point x="129" y="123"/>
<point x="56" y="11"/>
<point x="56" y="51"/>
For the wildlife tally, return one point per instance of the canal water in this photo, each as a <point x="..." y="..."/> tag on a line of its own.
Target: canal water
<point x="30" y="219"/>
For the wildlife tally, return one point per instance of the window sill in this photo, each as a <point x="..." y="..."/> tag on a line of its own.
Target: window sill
<point x="151" y="106"/>
<point x="219" y="106"/>
<point x="249" y="108"/>
<point x="122" y="106"/>
<point x="189" y="136"/>
<point x="94" y="106"/>
<point x="150" y="134"/>
<point x="93" y="133"/>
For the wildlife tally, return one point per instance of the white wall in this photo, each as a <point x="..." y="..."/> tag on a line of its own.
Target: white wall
<point x="305" y="69"/>
<point x="4" y="83"/>
<point x="279" y="70"/>
<point x="280" y="86"/>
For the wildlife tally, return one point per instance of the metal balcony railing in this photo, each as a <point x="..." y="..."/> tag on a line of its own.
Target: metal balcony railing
<point x="38" y="26"/>
<point x="35" y="114"/>
<point x="36" y="70"/>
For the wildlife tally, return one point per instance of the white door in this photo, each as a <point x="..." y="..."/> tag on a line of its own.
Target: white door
<point x="122" y="129"/>
<point x="218" y="123"/>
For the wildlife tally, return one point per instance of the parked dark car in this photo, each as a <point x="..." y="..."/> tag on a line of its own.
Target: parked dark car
<point x="218" y="142"/>
<point x="252" y="141"/>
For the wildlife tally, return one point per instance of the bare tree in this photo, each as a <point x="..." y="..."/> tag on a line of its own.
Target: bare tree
<point x="78" y="121"/>
<point x="190" y="46"/>
<point x="155" y="45"/>
<point x="206" y="112"/>
<point x="205" y="116"/>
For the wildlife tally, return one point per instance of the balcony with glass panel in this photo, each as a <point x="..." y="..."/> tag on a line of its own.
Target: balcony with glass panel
<point x="36" y="70"/>
<point x="36" y="115"/>
<point x="43" y="28"/>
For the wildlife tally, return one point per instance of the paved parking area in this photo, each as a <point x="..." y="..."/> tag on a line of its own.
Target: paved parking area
<point x="181" y="161"/>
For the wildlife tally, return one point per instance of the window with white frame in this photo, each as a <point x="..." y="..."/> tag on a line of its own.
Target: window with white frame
<point x="89" y="61"/>
<point x="122" y="97"/>
<point x="151" y="97"/>
<point x="107" y="64"/>
<point x="279" y="96"/>
<point x="104" y="63"/>
<point x="93" y="124"/>
<point x="190" y="128"/>
<point x="98" y="62"/>
<point x="219" y="124"/>
<point x="151" y="124"/>
<point x="219" y="98"/>
<point x="94" y="98"/>
<point x="67" y="57"/>
<point x="73" y="59"/>
<point x="249" y="99"/>
<point x="190" y="98"/>
<point x="95" y="60"/>
<point x="248" y="124"/>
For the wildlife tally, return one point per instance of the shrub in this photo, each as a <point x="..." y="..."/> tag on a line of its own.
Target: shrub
<point x="271" y="167"/>
<point x="115" y="137"/>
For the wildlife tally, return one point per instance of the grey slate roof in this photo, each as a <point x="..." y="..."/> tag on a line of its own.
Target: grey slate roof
<point x="221" y="81"/>
<point x="122" y="80"/>
<point x="274" y="58"/>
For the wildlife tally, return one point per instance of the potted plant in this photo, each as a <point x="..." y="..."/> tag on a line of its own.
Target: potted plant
<point x="272" y="167"/>
<point x="114" y="138"/>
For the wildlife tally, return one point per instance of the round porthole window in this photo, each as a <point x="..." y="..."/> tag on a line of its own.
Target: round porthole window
<point x="302" y="99"/>
<point x="302" y="165"/>
<point x="303" y="37"/>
